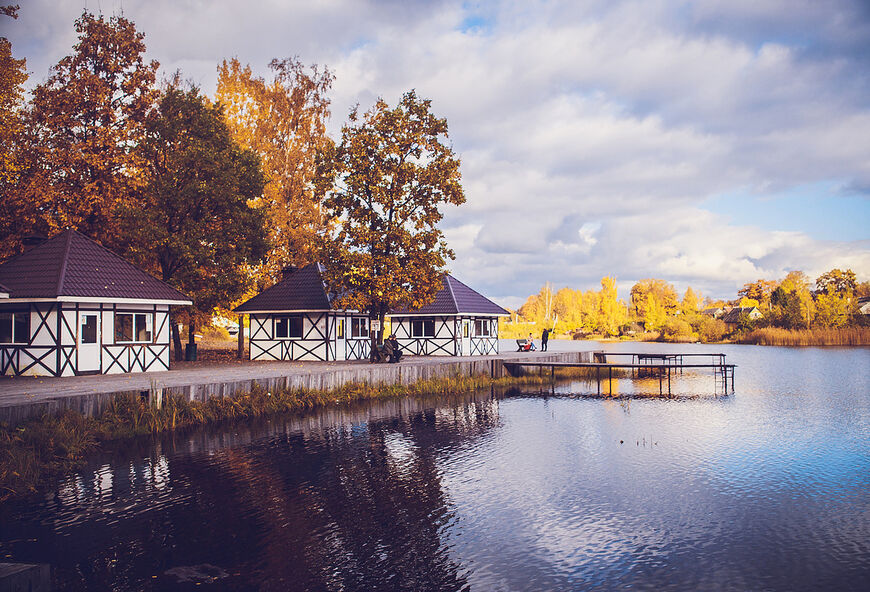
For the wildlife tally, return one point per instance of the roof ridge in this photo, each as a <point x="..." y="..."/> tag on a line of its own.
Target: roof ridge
<point x="447" y="278"/>
<point x="64" y="262"/>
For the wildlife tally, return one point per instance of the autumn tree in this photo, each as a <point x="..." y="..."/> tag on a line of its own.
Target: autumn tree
<point x="13" y="75"/>
<point x="837" y="282"/>
<point x="612" y="312"/>
<point x="759" y="291"/>
<point x="691" y="302"/>
<point x="193" y="223"/>
<point x="87" y="118"/>
<point x="284" y="121"/>
<point x="652" y="301"/>
<point x="835" y="301"/>
<point x="792" y="305"/>
<point x="385" y="185"/>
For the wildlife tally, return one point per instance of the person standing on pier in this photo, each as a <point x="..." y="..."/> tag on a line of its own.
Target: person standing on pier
<point x="545" y="337"/>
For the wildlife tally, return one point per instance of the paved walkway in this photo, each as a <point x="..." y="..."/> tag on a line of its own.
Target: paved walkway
<point x="22" y="390"/>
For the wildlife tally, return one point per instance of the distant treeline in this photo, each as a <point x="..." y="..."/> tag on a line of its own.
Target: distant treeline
<point x="825" y="312"/>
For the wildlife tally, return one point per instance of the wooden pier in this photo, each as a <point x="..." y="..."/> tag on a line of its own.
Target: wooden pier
<point x="660" y="365"/>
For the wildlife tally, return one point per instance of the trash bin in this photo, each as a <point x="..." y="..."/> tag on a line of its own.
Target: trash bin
<point x="190" y="352"/>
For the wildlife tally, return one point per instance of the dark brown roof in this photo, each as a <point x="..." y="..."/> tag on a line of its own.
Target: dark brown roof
<point x="457" y="298"/>
<point x="733" y="315"/>
<point x="300" y="290"/>
<point x="71" y="264"/>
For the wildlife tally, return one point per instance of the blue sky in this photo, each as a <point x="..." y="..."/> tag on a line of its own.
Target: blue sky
<point x="708" y="143"/>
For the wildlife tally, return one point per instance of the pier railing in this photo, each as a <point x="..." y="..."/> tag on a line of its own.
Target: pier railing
<point x="642" y="364"/>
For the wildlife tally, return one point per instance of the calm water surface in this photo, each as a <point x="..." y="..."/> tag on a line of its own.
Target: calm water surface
<point x="767" y="488"/>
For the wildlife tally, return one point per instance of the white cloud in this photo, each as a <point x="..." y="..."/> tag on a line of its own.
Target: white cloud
<point x="590" y="133"/>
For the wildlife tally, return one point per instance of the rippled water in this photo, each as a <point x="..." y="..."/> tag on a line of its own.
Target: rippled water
<point x="767" y="488"/>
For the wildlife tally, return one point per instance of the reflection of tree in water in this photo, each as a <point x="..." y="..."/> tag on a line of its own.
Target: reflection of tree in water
<point x="357" y="507"/>
<point x="346" y="499"/>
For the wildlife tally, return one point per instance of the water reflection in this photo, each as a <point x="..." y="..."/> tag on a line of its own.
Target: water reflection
<point x="338" y="500"/>
<point x="531" y="489"/>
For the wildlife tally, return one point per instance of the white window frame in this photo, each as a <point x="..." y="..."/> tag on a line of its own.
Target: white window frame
<point x="278" y="318"/>
<point x="359" y="328"/>
<point x="482" y="328"/>
<point x="422" y="324"/>
<point x="135" y="327"/>
<point x="15" y="338"/>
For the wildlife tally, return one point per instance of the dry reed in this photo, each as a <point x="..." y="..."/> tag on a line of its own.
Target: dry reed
<point x="775" y="336"/>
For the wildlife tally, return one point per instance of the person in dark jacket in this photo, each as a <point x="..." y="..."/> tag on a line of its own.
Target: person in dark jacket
<point x="545" y="337"/>
<point x="396" y="354"/>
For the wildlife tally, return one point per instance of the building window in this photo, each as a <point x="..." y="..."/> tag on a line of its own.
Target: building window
<point x="359" y="327"/>
<point x="482" y="327"/>
<point x="133" y="327"/>
<point x="339" y="329"/>
<point x="289" y="327"/>
<point x="14" y="327"/>
<point x="423" y="328"/>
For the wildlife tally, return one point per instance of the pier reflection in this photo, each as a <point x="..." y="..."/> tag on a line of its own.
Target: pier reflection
<point x="348" y="498"/>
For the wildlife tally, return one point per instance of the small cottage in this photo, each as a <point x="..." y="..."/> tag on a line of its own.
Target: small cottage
<point x="459" y="322"/>
<point x="295" y="320"/>
<point x="732" y="317"/>
<point x="70" y="306"/>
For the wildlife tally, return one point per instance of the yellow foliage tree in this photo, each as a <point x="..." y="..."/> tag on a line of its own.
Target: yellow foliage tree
<point x="283" y="120"/>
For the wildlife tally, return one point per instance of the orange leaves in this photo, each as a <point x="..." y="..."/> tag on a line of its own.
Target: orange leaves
<point x="384" y="185"/>
<point x="284" y="122"/>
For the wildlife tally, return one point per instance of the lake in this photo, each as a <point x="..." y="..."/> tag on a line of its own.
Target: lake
<point x="538" y="488"/>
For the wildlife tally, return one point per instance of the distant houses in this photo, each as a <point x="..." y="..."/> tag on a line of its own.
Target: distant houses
<point x="864" y="306"/>
<point x="716" y="312"/>
<point x="70" y="306"/>
<point x="459" y="322"/>
<point x="295" y="320"/>
<point x="734" y="315"/>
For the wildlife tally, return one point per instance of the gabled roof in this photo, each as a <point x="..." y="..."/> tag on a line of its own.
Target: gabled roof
<point x="72" y="265"/>
<point x="456" y="298"/>
<point x="733" y="315"/>
<point x="299" y="290"/>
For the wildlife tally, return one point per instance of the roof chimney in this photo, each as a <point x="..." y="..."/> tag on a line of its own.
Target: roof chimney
<point x="288" y="271"/>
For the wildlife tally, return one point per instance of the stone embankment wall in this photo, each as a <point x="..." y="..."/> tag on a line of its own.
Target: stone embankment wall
<point x="45" y="400"/>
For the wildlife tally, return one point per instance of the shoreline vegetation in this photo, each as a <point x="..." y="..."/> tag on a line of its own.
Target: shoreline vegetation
<point x="842" y="337"/>
<point x="37" y="452"/>
<point x="795" y="310"/>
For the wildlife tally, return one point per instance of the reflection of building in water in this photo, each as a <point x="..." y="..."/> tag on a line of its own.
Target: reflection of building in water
<point x="346" y="498"/>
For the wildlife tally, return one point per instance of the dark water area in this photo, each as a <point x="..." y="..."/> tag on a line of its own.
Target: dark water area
<point x="765" y="488"/>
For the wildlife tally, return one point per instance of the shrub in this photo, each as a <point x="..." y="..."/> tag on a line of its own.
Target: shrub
<point x="677" y="330"/>
<point x="711" y="329"/>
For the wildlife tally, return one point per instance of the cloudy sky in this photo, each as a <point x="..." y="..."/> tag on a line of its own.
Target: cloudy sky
<point x="708" y="143"/>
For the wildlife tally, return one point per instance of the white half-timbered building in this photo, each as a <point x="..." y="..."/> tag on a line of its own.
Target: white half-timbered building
<point x="459" y="322"/>
<point x="70" y="306"/>
<point x="295" y="320"/>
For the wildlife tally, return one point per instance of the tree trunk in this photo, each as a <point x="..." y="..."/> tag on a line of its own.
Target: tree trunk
<point x="191" y="341"/>
<point x="176" y="342"/>
<point x="241" y="351"/>
<point x="191" y="330"/>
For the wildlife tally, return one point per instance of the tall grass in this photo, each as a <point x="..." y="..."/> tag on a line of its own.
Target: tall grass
<point x="774" y="336"/>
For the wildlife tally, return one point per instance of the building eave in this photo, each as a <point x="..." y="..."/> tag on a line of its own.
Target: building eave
<point x="95" y="300"/>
